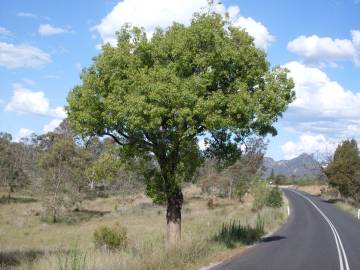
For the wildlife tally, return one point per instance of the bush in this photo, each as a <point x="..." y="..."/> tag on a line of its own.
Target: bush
<point x="264" y="195"/>
<point x="234" y="232"/>
<point x="111" y="238"/>
<point x="260" y="191"/>
<point x="274" y="198"/>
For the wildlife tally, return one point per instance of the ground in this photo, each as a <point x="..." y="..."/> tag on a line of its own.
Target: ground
<point x="27" y="242"/>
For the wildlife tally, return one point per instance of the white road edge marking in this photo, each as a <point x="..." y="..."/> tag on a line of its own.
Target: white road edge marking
<point x="288" y="208"/>
<point x="339" y="245"/>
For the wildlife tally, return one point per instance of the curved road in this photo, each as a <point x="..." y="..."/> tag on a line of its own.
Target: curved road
<point x="317" y="236"/>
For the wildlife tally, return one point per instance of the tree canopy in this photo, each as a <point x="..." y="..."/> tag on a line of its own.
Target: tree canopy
<point x="343" y="171"/>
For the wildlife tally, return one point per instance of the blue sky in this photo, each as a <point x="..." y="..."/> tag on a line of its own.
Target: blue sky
<point x="45" y="44"/>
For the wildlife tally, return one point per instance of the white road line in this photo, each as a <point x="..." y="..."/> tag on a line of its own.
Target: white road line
<point x="339" y="245"/>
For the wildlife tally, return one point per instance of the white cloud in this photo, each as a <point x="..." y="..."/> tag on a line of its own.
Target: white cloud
<point x="26" y="15"/>
<point x="164" y="13"/>
<point x="22" y="55"/>
<point x="310" y="144"/>
<point x="54" y="123"/>
<point x="262" y="37"/>
<point x="319" y="96"/>
<point x="22" y="133"/>
<point x="325" y="51"/>
<point x="355" y="35"/>
<point x="25" y="101"/>
<point x="324" y="112"/>
<point x="48" y="30"/>
<point x="5" y="32"/>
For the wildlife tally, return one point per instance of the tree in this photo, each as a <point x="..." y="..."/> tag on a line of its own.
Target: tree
<point x="104" y="167"/>
<point x="343" y="171"/>
<point x="280" y="179"/>
<point x="241" y="172"/>
<point x="12" y="174"/>
<point x="61" y="174"/>
<point x="156" y="96"/>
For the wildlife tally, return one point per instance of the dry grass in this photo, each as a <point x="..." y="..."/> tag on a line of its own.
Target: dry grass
<point x="347" y="207"/>
<point x="312" y="189"/>
<point x="23" y="236"/>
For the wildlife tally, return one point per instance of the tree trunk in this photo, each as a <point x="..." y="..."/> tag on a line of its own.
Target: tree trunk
<point x="173" y="217"/>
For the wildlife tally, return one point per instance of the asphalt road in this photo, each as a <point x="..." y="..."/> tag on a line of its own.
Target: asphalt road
<point x="317" y="236"/>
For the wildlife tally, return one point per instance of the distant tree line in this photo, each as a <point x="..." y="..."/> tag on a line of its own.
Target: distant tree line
<point x="62" y="170"/>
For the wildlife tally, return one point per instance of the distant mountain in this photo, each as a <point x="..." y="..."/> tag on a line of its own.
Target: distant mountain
<point x="302" y="166"/>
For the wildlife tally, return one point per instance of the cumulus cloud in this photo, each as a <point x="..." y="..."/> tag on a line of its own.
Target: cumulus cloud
<point x="261" y="35"/>
<point x="310" y="144"/>
<point x="319" y="96"/>
<point x="48" y="30"/>
<point x="324" y="112"/>
<point x="49" y="127"/>
<point x="22" y="133"/>
<point x="325" y="51"/>
<point x="25" y="101"/>
<point x="164" y="13"/>
<point x="22" y="55"/>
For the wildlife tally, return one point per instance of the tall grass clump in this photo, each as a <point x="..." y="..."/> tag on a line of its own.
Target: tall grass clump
<point x="234" y="232"/>
<point x="72" y="260"/>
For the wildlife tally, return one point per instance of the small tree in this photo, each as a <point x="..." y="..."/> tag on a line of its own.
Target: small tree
<point x="12" y="174"/>
<point x="280" y="179"/>
<point x="60" y="169"/>
<point x="156" y="96"/>
<point x="343" y="171"/>
<point x="240" y="173"/>
<point x="104" y="167"/>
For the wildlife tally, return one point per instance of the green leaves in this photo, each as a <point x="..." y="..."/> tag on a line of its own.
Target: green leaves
<point x="344" y="169"/>
<point x="156" y="96"/>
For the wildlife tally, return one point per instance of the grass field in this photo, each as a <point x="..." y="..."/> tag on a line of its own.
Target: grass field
<point x="27" y="242"/>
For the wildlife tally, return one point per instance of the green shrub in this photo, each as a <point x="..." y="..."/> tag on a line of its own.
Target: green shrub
<point x="260" y="191"/>
<point x="274" y="198"/>
<point x="111" y="238"/>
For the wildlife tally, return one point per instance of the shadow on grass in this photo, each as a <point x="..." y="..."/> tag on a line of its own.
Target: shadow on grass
<point x="9" y="259"/>
<point x="234" y="232"/>
<point x="5" y="200"/>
